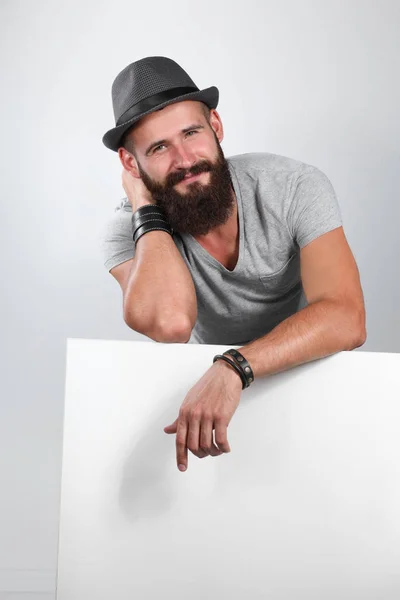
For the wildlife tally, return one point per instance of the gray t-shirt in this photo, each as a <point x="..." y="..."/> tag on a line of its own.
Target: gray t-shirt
<point x="283" y="204"/>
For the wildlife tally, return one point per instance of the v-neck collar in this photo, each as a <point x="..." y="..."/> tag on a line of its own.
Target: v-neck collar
<point x="194" y="244"/>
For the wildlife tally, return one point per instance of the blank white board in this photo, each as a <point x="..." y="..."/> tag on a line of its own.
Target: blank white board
<point x="305" y="506"/>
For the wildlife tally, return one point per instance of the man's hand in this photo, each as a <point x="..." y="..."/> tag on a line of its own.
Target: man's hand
<point x="209" y="405"/>
<point x="135" y="190"/>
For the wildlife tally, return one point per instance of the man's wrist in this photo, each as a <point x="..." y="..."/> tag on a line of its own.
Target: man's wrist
<point x="229" y="371"/>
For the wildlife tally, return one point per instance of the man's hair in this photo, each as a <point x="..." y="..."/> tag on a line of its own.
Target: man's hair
<point x="128" y="144"/>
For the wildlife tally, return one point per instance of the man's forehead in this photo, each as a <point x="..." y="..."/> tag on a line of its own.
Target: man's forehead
<point x="172" y="116"/>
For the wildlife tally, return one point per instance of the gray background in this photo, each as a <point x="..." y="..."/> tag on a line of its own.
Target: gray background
<point x="316" y="81"/>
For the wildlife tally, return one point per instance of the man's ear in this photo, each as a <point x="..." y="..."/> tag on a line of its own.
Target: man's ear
<point x="216" y="124"/>
<point x="128" y="161"/>
<point x="134" y="168"/>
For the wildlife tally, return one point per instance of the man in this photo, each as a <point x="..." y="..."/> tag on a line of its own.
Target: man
<point x="246" y="250"/>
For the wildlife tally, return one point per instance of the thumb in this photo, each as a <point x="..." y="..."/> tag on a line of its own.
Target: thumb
<point x="172" y="428"/>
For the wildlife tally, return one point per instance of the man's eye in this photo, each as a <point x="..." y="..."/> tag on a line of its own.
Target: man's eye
<point x="187" y="133"/>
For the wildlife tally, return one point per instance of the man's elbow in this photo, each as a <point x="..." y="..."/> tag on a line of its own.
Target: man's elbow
<point x="360" y="336"/>
<point x="180" y="334"/>
<point x="361" y="339"/>
<point x="165" y="333"/>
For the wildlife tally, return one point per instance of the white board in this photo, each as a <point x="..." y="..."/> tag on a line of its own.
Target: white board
<point x="305" y="506"/>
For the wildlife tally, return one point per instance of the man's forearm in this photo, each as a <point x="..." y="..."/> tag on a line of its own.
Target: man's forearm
<point x="318" y="330"/>
<point x="160" y="296"/>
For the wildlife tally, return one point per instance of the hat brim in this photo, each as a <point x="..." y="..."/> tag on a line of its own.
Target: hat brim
<point x="112" y="138"/>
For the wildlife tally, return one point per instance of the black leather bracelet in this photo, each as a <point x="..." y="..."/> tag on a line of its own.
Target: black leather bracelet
<point x="154" y="223"/>
<point x="149" y="227"/>
<point x="243" y="364"/>
<point x="149" y="208"/>
<point x="140" y="216"/>
<point x="237" y="369"/>
<point x="149" y="218"/>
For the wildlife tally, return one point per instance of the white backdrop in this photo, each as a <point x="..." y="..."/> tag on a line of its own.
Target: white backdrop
<point x="304" y="507"/>
<point x="316" y="81"/>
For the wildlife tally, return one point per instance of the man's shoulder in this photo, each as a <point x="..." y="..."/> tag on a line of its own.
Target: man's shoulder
<point x="265" y="161"/>
<point x="124" y="206"/>
<point x="119" y="221"/>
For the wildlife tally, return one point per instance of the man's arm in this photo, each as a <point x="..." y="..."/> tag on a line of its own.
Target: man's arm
<point x="333" y="321"/>
<point x="159" y="298"/>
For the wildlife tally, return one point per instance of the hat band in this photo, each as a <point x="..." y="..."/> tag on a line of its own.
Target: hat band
<point x="153" y="101"/>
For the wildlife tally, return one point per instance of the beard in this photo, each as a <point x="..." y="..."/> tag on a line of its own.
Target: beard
<point x="202" y="207"/>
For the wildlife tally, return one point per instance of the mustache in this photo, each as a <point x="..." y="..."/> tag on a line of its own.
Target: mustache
<point x="175" y="178"/>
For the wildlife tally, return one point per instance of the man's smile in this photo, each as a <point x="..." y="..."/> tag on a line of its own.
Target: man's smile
<point x="190" y="177"/>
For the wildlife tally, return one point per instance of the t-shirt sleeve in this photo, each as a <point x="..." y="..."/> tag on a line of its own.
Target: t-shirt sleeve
<point x="116" y="239"/>
<point x="313" y="206"/>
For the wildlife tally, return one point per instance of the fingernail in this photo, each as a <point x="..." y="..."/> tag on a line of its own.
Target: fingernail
<point x="182" y="468"/>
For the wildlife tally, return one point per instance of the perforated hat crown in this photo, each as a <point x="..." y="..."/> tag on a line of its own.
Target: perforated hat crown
<point x="148" y="85"/>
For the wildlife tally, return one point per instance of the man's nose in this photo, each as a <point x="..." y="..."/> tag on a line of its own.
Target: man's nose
<point x="183" y="158"/>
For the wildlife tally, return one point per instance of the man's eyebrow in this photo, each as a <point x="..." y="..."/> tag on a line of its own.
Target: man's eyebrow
<point x="154" y="144"/>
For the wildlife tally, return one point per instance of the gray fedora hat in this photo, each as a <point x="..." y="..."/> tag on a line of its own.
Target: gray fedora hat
<point x="148" y="85"/>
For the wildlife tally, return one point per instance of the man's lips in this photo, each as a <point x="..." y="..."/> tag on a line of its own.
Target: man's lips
<point x="191" y="177"/>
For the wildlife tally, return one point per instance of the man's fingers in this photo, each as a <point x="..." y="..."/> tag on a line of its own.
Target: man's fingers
<point x="193" y="437"/>
<point x="200" y="436"/>
<point x="197" y="436"/>
<point x="206" y="438"/>
<point x="221" y="436"/>
<point x="181" y="448"/>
